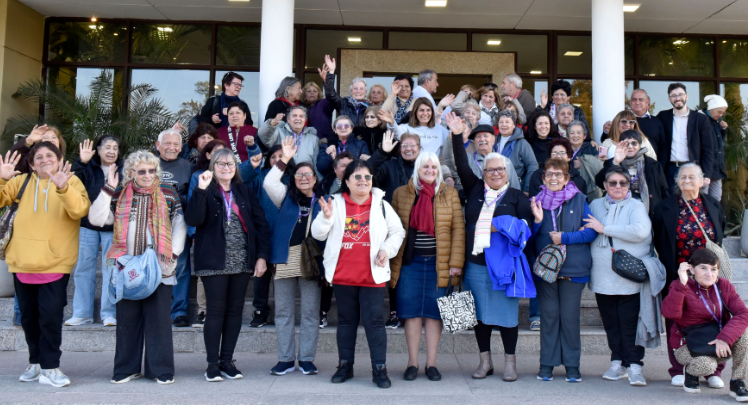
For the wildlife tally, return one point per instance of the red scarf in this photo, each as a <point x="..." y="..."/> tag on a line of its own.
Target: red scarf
<point x="287" y="101"/>
<point x="422" y="214"/>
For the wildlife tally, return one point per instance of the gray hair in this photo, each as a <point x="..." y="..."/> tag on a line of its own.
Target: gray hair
<point x="357" y="80"/>
<point x="495" y="156"/>
<point x="424" y="157"/>
<point x="298" y="107"/>
<point x="515" y="79"/>
<point x="343" y="117"/>
<point x="225" y="153"/>
<point x="134" y="160"/>
<point x="507" y="114"/>
<point x="700" y="174"/>
<point x="642" y="90"/>
<point x="578" y="123"/>
<point x="287" y="81"/>
<point x="424" y="75"/>
<point x="566" y="105"/>
<point x="471" y="103"/>
<point x="170" y="131"/>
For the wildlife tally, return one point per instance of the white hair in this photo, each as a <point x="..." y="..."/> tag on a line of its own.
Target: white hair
<point x="424" y="157"/>
<point x="515" y="79"/>
<point x="566" y="105"/>
<point x="169" y="131"/>
<point x="134" y="159"/>
<point x="357" y="80"/>
<point x="495" y="156"/>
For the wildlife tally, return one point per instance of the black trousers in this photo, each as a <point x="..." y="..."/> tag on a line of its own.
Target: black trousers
<point x="365" y="303"/>
<point x="224" y="295"/>
<point x="619" y="314"/>
<point x="483" y="333"/>
<point x="326" y="297"/>
<point x="42" y="307"/>
<point x="148" y="321"/>
<point x="261" y="291"/>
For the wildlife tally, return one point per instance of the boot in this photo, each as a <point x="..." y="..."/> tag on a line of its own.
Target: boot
<point x="511" y="373"/>
<point x="485" y="366"/>
<point x="380" y="376"/>
<point x="344" y="372"/>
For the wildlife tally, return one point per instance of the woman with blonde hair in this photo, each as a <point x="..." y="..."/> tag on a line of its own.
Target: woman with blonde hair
<point x="320" y="109"/>
<point x="377" y="95"/>
<point x="625" y="121"/>
<point x="488" y="97"/>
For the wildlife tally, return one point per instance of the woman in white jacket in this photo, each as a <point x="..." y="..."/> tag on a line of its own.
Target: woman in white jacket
<point x="363" y="232"/>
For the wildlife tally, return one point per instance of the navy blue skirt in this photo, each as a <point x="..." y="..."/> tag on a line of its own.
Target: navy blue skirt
<point x="417" y="290"/>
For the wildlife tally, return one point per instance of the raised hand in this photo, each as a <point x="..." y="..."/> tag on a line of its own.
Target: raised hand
<point x="62" y="176"/>
<point x="447" y="100"/>
<point x="288" y="149"/>
<point x="544" y="98"/>
<point x="277" y="120"/>
<point x="387" y="141"/>
<point x="684" y="272"/>
<point x="330" y="63"/>
<point x="538" y="211"/>
<point x="216" y="119"/>
<point x="113" y="178"/>
<point x="620" y="153"/>
<point x="36" y="134"/>
<point x="454" y="123"/>
<point x="8" y="165"/>
<point x="395" y="88"/>
<point x="256" y="160"/>
<point x="326" y="207"/>
<point x="86" y="150"/>
<point x="204" y="180"/>
<point x="323" y="72"/>
<point x="178" y="127"/>
<point x="249" y="140"/>
<point x="386" y="116"/>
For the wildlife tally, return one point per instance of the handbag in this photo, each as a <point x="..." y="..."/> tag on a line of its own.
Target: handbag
<point x="551" y="258"/>
<point x="309" y="253"/>
<point x="726" y="269"/>
<point x="135" y="277"/>
<point x="698" y="336"/>
<point x="457" y="310"/>
<point x="627" y="266"/>
<point x="7" y="217"/>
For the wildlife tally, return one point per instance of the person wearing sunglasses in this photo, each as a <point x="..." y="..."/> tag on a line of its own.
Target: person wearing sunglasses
<point x="558" y="211"/>
<point x="622" y="223"/>
<point x="651" y="126"/>
<point x="625" y="121"/>
<point x="297" y="205"/>
<point x="141" y="205"/>
<point x="342" y="141"/>
<point x="216" y="108"/>
<point x="649" y="183"/>
<point x="362" y="232"/>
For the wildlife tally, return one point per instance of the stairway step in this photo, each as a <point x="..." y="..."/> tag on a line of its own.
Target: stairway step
<point x="732" y="244"/>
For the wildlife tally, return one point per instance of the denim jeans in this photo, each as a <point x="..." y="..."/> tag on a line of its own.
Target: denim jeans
<point x="16" y="310"/>
<point x="181" y="291"/>
<point x="84" y="275"/>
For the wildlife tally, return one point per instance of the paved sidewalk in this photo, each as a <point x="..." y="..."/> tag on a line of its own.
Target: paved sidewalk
<point x="90" y="373"/>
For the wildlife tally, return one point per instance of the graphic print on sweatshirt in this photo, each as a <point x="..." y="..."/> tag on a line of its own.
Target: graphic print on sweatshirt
<point x="357" y="227"/>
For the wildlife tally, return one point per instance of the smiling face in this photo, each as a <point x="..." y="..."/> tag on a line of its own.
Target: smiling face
<point x="639" y="103"/>
<point x="617" y="186"/>
<point x="632" y="147"/>
<point x="275" y="157"/>
<point x="495" y="173"/>
<point x="555" y="179"/>
<point x="296" y="120"/>
<point x="690" y="181"/>
<point x="294" y="92"/>
<point x="144" y="175"/>
<point x="170" y="146"/>
<point x="560" y="152"/>
<point x="678" y="98"/>
<point x="565" y="116"/>
<point x="203" y="140"/>
<point x="306" y="182"/>
<point x="51" y="136"/>
<point x="45" y="161"/>
<point x="359" y="91"/>
<point x="311" y="95"/>
<point x="626" y="124"/>
<point x="236" y="117"/>
<point x="108" y="152"/>
<point x="424" y="114"/>
<point x="488" y="99"/>
<point x="410" y="150"/>
<point x="405" y="89"/>
<point x="224" y="168"/>
<point x="428" y="172"/>
<point x="371" y="120"/>
<point x="506" y="126"/>
<point x="705" y="274"/>
<point x="343" y="129"/>
<point x="560" y="97"/>
<point x="361" y="187"/>
<point x="484" y="142"/>
<point x="471" y="116"/>
<point x="376" y="95"/>
<point x="576" y="135"/>
<point x="543" y="127"/>
<point x="341" y="167"/>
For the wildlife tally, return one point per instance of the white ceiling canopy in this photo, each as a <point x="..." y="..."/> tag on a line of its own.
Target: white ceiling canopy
<point x="673" y="16"/>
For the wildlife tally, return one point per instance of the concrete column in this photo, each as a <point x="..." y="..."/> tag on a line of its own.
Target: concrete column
<point x="607" y="37"/>
<point x="276" y="49"/>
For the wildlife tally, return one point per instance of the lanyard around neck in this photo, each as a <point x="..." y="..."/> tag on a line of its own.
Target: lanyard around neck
<point x="720" y="306"/>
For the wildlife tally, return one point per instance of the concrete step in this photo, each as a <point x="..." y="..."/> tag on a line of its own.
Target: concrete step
<point x="96" y="338"/>
<point x="732" y="244"/>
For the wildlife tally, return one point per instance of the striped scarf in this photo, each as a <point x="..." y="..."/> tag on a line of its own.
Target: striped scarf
<point x="482" y="239"/>
<point x="159" y="224"/>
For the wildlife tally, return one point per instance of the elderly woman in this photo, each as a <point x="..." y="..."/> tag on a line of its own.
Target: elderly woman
<point x="203" y="134"/>
<point x="341" y="142"/>
<point x="488" y="97"/>
<point x="682" y="222"/>
<point x="92" y="166"/>
<point x="559" y="148"/>
<point x="512" y="145"/>
<point x="320" y="110"/>
<point x="514" y="106"/>
<point x="623" y="122"/>
<point x="699" y="299"/>
<point x="487" y="199"/>
<point x="377" y="95"/>
<point x="373" y="129"/>
<point x="43" y="133"/>
<point x="716" y="108"/>
<point x="431" y="213"/>
<point x="559" y="210"/>
<point x="239" y="136"/>
<point x="400" y="100"/>
<point x="362" y="232"/>
<point x="648" y="181"/>
<point x="275" y="131"/>
<point x="622" y="223"/>
<point x="142" y="209"/>
<point x="43" y="250"/>
<point x="560" y="94"/>
<point x="422" y="123"/>
<point x="288" y="94"/>
<point x="228" y="252"/>
<point x="541" y="130"/>
<point x="584" y="159"/>
<point x="352" y="106"/>
<point x="565" y="115"/>
<point x="297" y="206"/>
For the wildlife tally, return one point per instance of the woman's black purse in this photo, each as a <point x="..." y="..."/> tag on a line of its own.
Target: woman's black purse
<point x="627" y="266"/>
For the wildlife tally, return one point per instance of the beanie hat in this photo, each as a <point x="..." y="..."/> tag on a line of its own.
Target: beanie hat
<point x="715" y="101"/>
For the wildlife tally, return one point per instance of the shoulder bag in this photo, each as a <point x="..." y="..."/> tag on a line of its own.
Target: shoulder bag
<point x="8" y="216"/>
<point x="457" y="310"/>
<point x="309" y="266"/>
<point x="135" y="277"/>
<point x="551" y="258"/>
<point x="726" y="270"/>
<point x="627" y="266"/>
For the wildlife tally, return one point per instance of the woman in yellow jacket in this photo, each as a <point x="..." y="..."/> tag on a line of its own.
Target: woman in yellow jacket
<point x="43" y="250"/>
<point x="434" y="250"/>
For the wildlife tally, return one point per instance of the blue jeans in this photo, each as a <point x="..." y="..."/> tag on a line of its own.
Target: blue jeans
<point x="16" y="310"/>
<point x="181" y="291"/>
<point x="84" y="275"/>
<point x="534" y="314"/>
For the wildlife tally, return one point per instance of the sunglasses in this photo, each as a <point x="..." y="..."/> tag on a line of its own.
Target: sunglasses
<point x="343" y="126"/>
<point x="621" y="183"/>
<point x="143" y="172"/>
<point x="496" y="170"/>
<point x="307" y="175"/>
<point x="366" y="177"/>
<point x="630" y="122"/>
<point x="633" y="144"/>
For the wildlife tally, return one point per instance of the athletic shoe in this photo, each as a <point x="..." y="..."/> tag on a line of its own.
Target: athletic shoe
<point x="715" y="382"/>
<point x="535" y="325"/>
<point x="634" y="372"/>
<point x="213" y="373"/>
<point x="572" y="374"/>
<point x="54" y="377"/>
<point x="165" y="379"/>
<point x="545" y="373"/>
<point x="323" y="319"/>
<point x="125" y="378"/>
<point x="200" y="322"/>
<point x="79" y="321"/>
<point x="691" y="383"/>
<point x="31" y="374"/>
<point x="229" y="370"/>
<point x="260" y="319"/>
<point x="394" y="322"/>
<point x="110" y="321"/>
<point x="677" y="380"/>
<point x="738" y="390"/>
<point x="181" y="322"/>
<point x="283" y="367"/>
<point x="307" y="367"/>
<point x="616" y="372"/>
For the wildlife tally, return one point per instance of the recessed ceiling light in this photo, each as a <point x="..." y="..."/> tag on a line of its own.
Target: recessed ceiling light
<point x="631" y="8"/>
<point x="435" y="3"/>
<point x="572" y="53"/>
<point x="93" y="19"/>
<point x="354" y="39"/>
<point x="535" y="72"/>
<point x="165" y="29"/>
<point x="493" y="42"/>
<point x="239" y="1"/>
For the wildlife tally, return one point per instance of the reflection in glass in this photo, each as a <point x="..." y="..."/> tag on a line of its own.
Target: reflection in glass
<point x="574" y="54"/>
<point x="238" y="46"/>
<point x="582" y="96"/>
<point x="77" y="80"/>
<point x="658" y="93"/>
<point x="86" y="42"/>
<point x="250" y="93"/>
<point x="182" y="91"/>
<point x="427" y="41"/>
<point x="171" y="43"/>
<point x="733" y="57"/>
<point x="676" y="56"/>
<point x="327" y="42"/>
<point x="531" y="50"/>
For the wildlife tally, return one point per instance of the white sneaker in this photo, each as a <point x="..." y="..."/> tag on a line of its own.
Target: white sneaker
<point x="634" y="372"/>
<point x="677" y="380"/>
<point x="110" y="321"/>
<point x="616" y="372"/>
<point x="54" y="377"/>
<point x="715" y="382"/>
<point x="79" y="321"/>
<point x="31" y="374"/>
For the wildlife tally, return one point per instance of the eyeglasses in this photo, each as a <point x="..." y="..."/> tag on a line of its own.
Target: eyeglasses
<point x="306" y="175"/>
<point x="551" y="175"/>
<point x="633" y="144"/>
<point x="370" y="117"/>
<point x="621" y="183"/>
<point x="680" y="95"/>
<point x="366" y="177"/>
<point x="342" y="126"/>
<point x="223" y="165"/>
<point x="143" y="172"/>
<point x="237" y="84"/>
<point x="495" y="170"/>
<point x="558" y="154"/>
<point x="630" y="122"/>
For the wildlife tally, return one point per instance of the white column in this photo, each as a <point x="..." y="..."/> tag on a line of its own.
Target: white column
<point x="607" y="37"/>
<point x="276" y="49"/>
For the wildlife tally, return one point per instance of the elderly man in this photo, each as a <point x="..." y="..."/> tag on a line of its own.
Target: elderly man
<point x="483" y="143"/>
<point x="716" y="107"/>
<point x="512" y="89"/>
<point x="176" y="172"/>
<point x="652" y="127"/>
<point x="274" y="131"/>
<point x="215" y="111"/>
<point x="426" y="86"/>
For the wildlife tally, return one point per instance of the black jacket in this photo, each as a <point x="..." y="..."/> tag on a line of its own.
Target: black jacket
<point x="276" y="107"/>
<point x="390" y="172"/>
<point x="344" y="105"/>
<point x="213" y="106"/>
<point x="666" y="219"/>
<point x="373" y="137"/>
<point x="719" y="165"/>
<point x="537" y="179"/>
<point x="699" y="140"/>
<point x="652" y="127"/>
<point x="92" y="177"/>
<point x="207" y="214"/>
<point x="654" y="177"/>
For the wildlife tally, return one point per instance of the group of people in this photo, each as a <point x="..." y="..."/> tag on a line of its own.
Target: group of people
<point x="400" y="195"/>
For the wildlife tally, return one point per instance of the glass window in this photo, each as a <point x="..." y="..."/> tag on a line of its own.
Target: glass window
<point x="77" y="80"/>
<point x="238" y="46"/>
<point x="86" y="42"/>
<point x="171" y="43"/>
<point x="428" y="41"/>
<point x="574" y="54"/>
<point x="733" y="57"/>
<point x="675" y="56"/>
<point x="629" y="55"/>
<point x="327" y="42"/>
<point x="582" y="96"/>
<point x="736" y="96"/>
<point x="658" y="93"/>
<point x="531" y="50"/>
<point x="250" y="93"/>
<point x="181" y="91"/>
<point x="535" y="87"/>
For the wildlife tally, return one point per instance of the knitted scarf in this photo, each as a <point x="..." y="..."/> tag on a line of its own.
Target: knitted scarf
<point x="422" y="214"/>
<point x="491" y="112"/>
<point x="402" y="108"/>
<point x="482" y="238"/>
<point x="551" y="200"/>
<point x="638" y="163"/>
<point x="159" y="223"/>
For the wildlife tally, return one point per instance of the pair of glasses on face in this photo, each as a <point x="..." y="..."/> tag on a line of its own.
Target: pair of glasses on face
<point x="224" y="165"/>
<point x="495" y="170"/>
<point x="305" y="175"/>
<point x="370" y="117"/>
<point x="675" y="96"/>
<point x="620" y="183"/>
<point x="342" y="126"/>
<point x="632" y="144"/>
<point x="552" y="175"/>
<point x="366" y="177"/>
<point x="237" y="84"/>
<point x="558" y="154"/>
<point x="630" y="122"/>
<point x="143" y="172"/>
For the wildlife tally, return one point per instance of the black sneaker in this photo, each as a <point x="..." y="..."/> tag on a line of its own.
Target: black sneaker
<point x="181" y="322"/>
<point x="213" y="373"/>
<point x="200" y="322"/>
<point x="545" y="373"/>
<point x="572" y="374"/>
<point x="283" y="367"/>
<point x="738" y="390"/>
<point x="344" y="372"/>
<point x="165" y="379"/>
<point x="124" y="378"/>
<point x="228" y="370"/>
<point x="380" y="376"/>
<point x="260" y="319"/>
<point x="323" y="319"/>
<point x="692" y="383"/>
<point x="394" y="322"/>
<point x="307" y="367"/>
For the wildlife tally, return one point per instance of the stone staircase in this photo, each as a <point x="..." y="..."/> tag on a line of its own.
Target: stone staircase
<point x="95" y="337"/>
